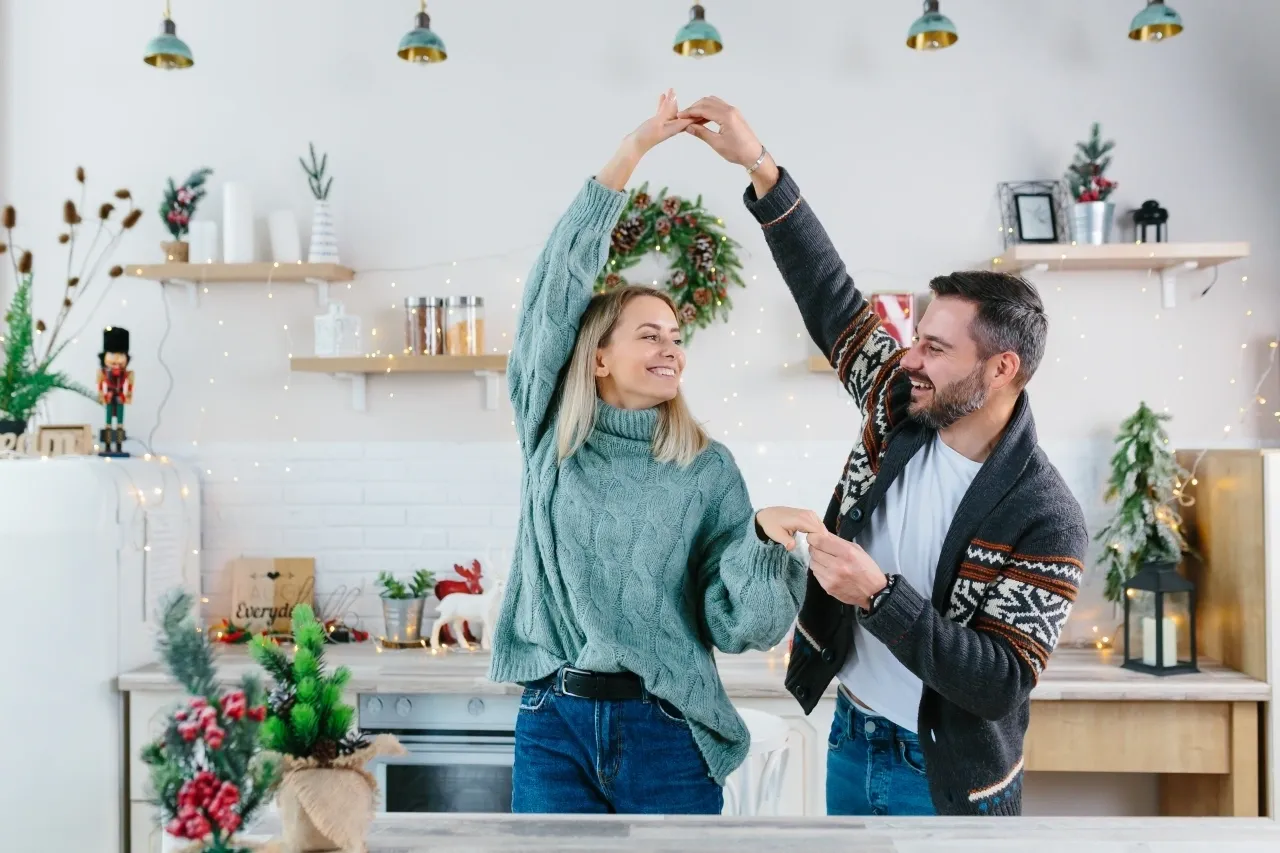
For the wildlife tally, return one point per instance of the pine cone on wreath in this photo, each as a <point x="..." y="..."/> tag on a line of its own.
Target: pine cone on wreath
<point x="703" y="252"/>
<point x="325" y="751"/>
<point x="671" y="205"/>
<point x="662" y="225"/>
<point x="627" y="235"/>
<point x="679" y="279"/>
<point x="613" y="281"/>
<point x="702" y="296"/>
<point x="688" y="313"/>
<point x="641" y="201"/>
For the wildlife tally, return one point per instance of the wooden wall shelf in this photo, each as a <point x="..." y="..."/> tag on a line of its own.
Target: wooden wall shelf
<point x="358" y="368"/>
<point x="196" y="276"/>
<point x="1168" y="259"/>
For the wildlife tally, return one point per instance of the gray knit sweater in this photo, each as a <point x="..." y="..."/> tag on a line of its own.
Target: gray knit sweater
<point x="1011" y="561"/>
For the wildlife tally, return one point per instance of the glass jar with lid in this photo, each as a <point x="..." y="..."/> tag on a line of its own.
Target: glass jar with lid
<point x="423" y="325"/>
<point x="464" y="325"/>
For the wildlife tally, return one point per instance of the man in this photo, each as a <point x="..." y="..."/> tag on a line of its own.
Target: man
<point x="953" y="549"/>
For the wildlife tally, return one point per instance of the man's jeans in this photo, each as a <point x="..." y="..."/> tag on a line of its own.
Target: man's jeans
<point x="589" y="756"/>
<point x="874" y="767"/>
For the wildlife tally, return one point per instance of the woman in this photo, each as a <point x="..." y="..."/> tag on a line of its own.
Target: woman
<point x="637" y="549"/>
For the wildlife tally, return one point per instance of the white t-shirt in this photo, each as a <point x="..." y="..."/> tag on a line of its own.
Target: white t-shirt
<point x="904" y="536"/>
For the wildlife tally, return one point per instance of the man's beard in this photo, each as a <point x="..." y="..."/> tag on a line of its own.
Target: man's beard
<point x="950" y="404"/>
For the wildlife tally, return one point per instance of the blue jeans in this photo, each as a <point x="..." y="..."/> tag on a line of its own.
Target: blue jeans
<point x="874" y="767"/>
<point x="589" y="756"/>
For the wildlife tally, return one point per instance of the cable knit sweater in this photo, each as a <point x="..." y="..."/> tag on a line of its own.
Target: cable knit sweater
<point x="622" y="563"/>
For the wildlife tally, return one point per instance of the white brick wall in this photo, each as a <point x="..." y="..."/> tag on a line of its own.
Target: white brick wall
<point x="362" y="508"/>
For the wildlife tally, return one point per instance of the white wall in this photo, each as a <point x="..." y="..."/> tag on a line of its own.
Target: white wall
<point x="899" y="152"/>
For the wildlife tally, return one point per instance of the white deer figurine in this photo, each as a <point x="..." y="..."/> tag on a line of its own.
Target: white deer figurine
<point x="480" y="612"/>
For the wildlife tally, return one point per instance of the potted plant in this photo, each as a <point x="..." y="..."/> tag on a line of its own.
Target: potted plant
<point x="324" y="241"/>
<point x="24" y="379"/>
<point x="402" y="605"/>
<point x="326" y="797"/>
<point x="177" y="209"/>
<point x="1145" y="483"/>
<point x="1092" y="214"/>
<point x="207" y="773"/>
<point x="29" y="345"/>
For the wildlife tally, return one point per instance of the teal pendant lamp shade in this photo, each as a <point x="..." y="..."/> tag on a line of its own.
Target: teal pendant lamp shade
<point x="420" y="44"/>
<point x="1157" y="22"/>
<point x="932" y="30"/>
<point x="167" y="50"/>
<point x="698" y="38"/>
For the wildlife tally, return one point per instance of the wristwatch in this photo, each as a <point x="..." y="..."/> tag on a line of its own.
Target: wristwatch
<point x="879" y="598"/>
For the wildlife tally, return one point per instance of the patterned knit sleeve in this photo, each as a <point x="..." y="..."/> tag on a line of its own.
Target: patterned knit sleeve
<point x="839" y="318"/>
<point x="987" y="659"/>
<point x="555" y="297"/>
<point x="751" y="589"/>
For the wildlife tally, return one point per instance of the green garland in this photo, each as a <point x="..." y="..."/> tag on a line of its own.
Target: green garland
<point x="703" y="259"/>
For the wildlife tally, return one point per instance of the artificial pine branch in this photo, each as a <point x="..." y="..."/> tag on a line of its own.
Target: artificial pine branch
<point x="315" y="174"/>
<point x="1144" y="478"/>
<point x="184" y="651"/>
<point x="268" y="656"/>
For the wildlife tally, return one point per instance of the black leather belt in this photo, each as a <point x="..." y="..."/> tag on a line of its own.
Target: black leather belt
<point x="599" y="685"/>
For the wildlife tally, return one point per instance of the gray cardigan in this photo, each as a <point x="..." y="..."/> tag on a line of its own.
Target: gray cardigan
<point x="1011" y="561"/>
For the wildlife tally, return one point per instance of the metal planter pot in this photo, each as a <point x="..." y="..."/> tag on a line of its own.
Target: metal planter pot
<point x="403" y="617"/>
<point x="1091" y="222"/>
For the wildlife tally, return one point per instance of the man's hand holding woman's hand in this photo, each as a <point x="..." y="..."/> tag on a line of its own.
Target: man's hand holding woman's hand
<point x="734" y="140"/>
<point x="781" y="523"/>
<point x="659" y="127"/>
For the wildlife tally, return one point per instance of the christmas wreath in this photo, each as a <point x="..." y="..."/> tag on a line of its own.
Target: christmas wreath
<point x="703" y="259"/>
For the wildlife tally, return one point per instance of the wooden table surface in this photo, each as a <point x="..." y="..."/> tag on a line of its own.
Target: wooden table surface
<point x="453" y="833"/>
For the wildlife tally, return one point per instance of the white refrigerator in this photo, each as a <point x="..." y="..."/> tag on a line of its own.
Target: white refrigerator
<point x="88" y="549"/>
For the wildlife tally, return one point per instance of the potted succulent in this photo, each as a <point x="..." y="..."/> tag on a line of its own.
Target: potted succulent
<point x="324" y="241"/>
<point x="1092" y="214"/>
<point x="207" y="773"/>
<point x="402" y="605"/>
<point x="28" y="344"/>
<point x="326" y="796"/>
<point x="176" y="210"/>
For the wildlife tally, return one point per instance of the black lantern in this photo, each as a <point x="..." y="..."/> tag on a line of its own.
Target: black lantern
<point x="1160" y="621"/>
<point x="1150" y="215"/>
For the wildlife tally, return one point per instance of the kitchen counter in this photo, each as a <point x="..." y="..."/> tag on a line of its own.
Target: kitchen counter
<point x="1072" y="674"/>
<point x="450" y="833"/>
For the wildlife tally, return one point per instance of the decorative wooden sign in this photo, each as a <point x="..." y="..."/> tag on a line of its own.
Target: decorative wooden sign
<point x="65" y="440"/>
<point x="265" y="590"/>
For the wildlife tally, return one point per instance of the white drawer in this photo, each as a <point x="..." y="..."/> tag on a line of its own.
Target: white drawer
<point x="147" y="714"/>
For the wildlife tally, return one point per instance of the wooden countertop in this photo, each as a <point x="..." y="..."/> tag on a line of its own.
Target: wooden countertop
<point x="452" y="833"/>
<point x="1072" y="674"/>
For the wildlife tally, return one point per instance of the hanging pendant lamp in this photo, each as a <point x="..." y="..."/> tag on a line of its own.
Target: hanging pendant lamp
<point x="166" y="50"/>
<point x="932" y="30"/>
<point x="1157" y="22"/>
<point x="420" y="44"/>
<point x="698" y="38"/>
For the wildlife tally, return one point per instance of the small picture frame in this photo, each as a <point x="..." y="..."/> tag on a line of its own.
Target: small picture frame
<point x="897" y="313"/>
<point x="1037" y="221"/>
<point x="1032" y="212"/>
<point x="74" y="440"/>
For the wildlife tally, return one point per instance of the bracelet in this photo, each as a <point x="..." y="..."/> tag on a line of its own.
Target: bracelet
<point x="764" y="152"/>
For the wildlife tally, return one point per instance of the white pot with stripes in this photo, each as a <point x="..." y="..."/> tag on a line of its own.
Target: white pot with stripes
<point x="324" y="241"/>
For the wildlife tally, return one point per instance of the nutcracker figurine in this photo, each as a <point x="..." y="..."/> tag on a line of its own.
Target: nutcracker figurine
<point x="115" y="387"/>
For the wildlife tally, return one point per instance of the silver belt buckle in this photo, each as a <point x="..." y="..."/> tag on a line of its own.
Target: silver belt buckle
<point x="560" y="679"/>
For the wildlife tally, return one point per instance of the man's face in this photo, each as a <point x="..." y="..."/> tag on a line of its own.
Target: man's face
<point x="948" y="377"/>
<point x="115" y="360"/>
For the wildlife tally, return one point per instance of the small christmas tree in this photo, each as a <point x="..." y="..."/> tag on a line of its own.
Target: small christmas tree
<point x="208" y="776"/>
<point x="1085" y="174"/>
<point x="307" y="718"/>
<point x="1144" y="478"/>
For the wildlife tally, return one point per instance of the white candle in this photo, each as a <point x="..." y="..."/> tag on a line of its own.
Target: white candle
<point x="286" y="245"/>
<point x="203" y="237"/>
<point x="237" y="224"/>
<point x="1149" y="641"/>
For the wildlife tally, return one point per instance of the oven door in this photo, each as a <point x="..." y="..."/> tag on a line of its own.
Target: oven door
<point x="447" y="777"/>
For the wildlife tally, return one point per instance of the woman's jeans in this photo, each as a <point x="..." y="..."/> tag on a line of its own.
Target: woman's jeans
<point x="593" y="756"/>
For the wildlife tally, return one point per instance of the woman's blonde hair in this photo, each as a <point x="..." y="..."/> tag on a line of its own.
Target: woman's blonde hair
<point x="678" y="438"/>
